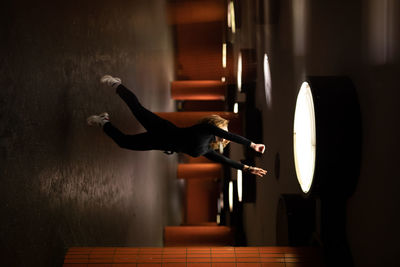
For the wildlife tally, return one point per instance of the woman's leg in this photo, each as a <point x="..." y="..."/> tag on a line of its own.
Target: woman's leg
<point x="150" y="121"/>
<point x="143" y="141"/>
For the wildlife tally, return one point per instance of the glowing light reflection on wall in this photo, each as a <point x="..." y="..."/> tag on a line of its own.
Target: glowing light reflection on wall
<point x="267" y="82"/>
<point x="220" y="203"/>
<point x="299" y="13"/>
<point x="383" y="30"/>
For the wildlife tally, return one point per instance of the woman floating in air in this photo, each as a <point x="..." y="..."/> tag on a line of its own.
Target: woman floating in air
<point x="202" y="139"/>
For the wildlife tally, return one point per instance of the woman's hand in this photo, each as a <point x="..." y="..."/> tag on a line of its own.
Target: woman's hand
<point x="255" y="170"/>
<point x="258" y="171"/>
<point x="258" y="147"/>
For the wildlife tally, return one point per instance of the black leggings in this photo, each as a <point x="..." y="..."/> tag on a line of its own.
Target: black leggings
<point x="158" y="129"/>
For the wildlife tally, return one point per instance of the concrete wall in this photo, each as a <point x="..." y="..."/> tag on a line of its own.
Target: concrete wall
<point x="63" y="183"/>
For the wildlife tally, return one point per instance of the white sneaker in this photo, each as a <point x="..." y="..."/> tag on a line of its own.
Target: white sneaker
<point x="110" y="81"/>
<point x="98" y="120"/>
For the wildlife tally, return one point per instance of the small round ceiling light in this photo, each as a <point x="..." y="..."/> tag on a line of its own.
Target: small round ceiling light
<point x="236" y="108"/>
<point x="224" y="55"/>
<point x="239" y="72"/>
<point x="231" y="16"/>
<point x="240" y="185"/>
<point x="230" y="196"/>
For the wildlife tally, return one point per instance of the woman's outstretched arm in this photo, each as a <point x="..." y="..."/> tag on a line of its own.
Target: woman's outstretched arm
<point x="215" y="156"/>
<point x="236" y="138"/>
<point x="229" y="136"/>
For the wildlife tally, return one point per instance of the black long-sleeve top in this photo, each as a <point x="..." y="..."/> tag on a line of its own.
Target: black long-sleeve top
<point x="195" y="141"/>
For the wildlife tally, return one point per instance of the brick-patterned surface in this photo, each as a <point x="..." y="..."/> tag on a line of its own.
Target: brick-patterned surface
<point x="194" y="257"/>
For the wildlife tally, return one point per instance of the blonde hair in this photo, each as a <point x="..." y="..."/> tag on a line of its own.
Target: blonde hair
<point x="220" y="123"/>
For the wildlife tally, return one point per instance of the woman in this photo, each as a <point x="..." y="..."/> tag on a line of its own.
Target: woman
<point x="198" y="140"/>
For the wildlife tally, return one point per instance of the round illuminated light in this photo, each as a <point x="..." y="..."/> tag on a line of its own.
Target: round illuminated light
<point x="304" y="137"/>
<point x="239" y="73"/>
<point x="231" y="196"/>
<point x="224" y="55"/>
<point x="327" y="113"/>
<point x="228" y="13"/>
<point x="231" y="16"/>
<point x="239" y="185"/>
<point x="267" y="81"/>
<point x="236" y="108"/>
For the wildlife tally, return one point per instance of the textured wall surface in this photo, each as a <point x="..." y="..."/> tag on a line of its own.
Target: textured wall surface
<point x="63" y="183"/>
<point x="358" y="39"/>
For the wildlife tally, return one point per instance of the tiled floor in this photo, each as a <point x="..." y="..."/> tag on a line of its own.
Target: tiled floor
<point x="193" y="257"/>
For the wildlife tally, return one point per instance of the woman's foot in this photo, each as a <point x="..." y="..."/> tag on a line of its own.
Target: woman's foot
<point x="98" y="120"/>
<point x="110" y="81"/>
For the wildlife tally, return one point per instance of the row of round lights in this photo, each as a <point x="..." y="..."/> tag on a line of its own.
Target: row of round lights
<point x="304" y="122"/>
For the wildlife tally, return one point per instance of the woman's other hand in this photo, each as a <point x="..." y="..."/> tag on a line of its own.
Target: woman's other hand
<point x="255" y="170"/>
<point x="258" y="171"/>
<point x="258" y="147"/>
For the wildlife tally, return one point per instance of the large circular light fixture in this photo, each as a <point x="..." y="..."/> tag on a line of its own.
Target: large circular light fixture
<point x="304" y="137"/>
<point x="327" y="136"/>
